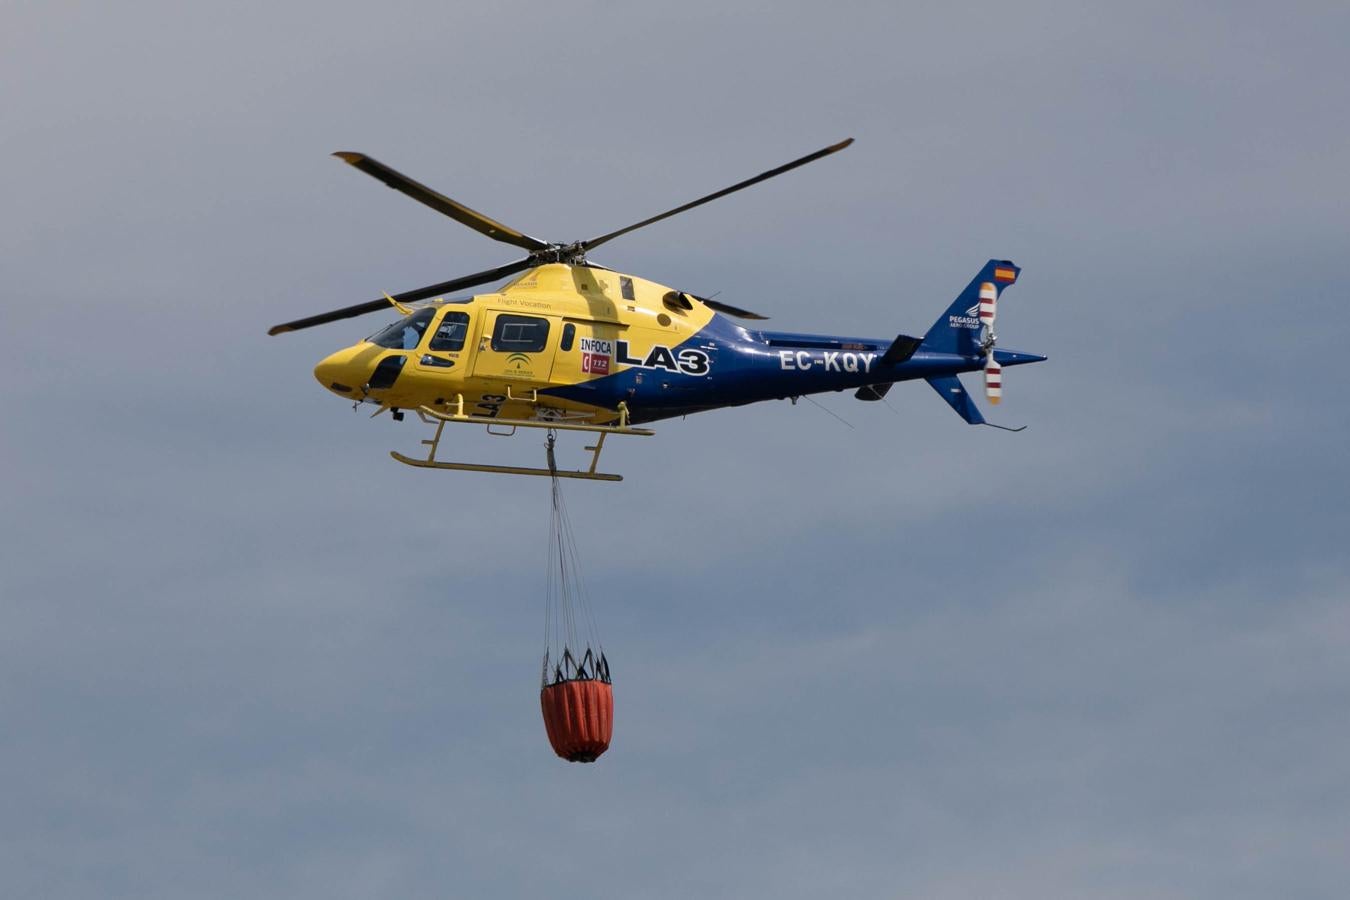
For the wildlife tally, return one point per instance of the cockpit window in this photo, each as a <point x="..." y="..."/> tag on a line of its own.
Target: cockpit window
<point x="405" y="333"/>
<point x="450" y="334"/>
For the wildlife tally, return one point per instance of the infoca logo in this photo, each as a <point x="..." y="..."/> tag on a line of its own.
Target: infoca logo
<point x="595" y="356"/>
<point x="597" y="345"/>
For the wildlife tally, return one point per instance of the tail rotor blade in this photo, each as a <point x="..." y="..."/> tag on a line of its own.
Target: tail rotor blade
<point x="988" y="304"/>
<point x="993" y="380"/>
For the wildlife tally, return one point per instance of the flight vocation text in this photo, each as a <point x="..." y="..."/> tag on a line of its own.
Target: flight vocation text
<point x="829" y="360"/>
<point x="690" y="360"/>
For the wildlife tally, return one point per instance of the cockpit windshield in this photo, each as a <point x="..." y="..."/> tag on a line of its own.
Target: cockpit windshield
<point x="406" y="333"/>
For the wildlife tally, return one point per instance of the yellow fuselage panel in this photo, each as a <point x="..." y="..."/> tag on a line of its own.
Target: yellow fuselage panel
<point x="588" y="311"/>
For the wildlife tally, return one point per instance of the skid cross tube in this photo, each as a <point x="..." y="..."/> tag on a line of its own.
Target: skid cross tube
<point x="440" y="419"/>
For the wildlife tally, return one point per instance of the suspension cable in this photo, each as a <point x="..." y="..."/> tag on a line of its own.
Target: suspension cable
<point x="567" y="612"/>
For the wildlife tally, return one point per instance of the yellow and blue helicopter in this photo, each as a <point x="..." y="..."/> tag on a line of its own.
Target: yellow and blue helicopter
<point x="568" y="344"/>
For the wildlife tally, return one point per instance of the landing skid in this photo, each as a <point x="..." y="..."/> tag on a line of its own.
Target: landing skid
<point x="440" y="420"/>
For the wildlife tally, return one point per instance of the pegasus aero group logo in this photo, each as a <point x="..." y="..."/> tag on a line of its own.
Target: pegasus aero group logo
<point x="970" y="320"/>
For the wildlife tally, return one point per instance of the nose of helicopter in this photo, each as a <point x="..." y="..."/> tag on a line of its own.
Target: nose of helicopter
<point x="340" y="372"/>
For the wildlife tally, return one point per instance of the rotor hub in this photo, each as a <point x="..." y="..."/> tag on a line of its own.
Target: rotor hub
<point x="573" y="254"/>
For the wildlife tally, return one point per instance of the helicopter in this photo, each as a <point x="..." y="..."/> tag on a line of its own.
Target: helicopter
<point x="570" y="345"/>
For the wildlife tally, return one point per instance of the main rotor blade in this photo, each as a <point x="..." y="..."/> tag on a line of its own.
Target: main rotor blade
<point x="732" y="310"/>
<point x="439" y="202"/>
<point x="604" y="238"/>
<point x="434" y="290"/>
<point x="715" y="304"/>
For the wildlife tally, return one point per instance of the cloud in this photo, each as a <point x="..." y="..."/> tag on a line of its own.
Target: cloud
<point x="242" y="652"/>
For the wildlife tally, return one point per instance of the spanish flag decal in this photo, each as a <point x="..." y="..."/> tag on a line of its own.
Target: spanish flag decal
<point x="1005" y="274"/>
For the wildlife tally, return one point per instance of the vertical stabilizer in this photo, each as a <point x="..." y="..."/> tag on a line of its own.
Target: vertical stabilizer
<point x="958" y="329"/>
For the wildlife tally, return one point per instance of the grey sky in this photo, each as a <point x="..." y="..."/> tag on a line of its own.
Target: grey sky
<point x="242" y="653"/>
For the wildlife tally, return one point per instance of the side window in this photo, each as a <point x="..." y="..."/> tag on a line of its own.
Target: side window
<point x="519" y="334"/>
<point x="569" y="332"/>
<point x="450" y="333"/>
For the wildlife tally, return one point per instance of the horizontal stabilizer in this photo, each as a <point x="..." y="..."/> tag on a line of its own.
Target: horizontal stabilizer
<point x="949" y="388"/>
<point x="900" y="350"/>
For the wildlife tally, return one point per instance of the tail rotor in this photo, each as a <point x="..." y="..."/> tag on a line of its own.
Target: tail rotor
<point x="993" y="372"/>
<point x="966" y="333"/>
